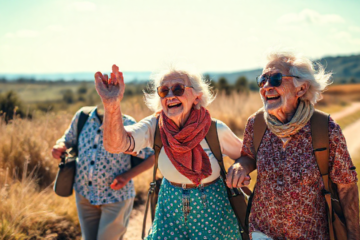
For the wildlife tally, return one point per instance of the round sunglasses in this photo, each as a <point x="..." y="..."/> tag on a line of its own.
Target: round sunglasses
<point x="274" y="79"/>
<point x="177" y="89"/>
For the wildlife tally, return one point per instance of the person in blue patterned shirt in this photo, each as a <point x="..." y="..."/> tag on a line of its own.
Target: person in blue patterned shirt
<point x="103" y="186"/>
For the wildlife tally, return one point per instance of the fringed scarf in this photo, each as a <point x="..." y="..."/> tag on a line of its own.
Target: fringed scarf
<point x="182" y="146"/>
<point x="302" y="115"/>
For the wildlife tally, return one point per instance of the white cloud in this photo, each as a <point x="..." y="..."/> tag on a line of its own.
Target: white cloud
<point x="346" y="36"/>
<point x="9" y="35"/>
<point x="83" y="6"/>
<point x="55" y="28"/>
<point x="354" y="28"/>
<point x="24" y="33"/>
<point x="342" y="35"/>
<point x="311" y="17"/>
<point x="252" y="39"/>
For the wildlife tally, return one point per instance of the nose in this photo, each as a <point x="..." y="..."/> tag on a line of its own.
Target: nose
<point x="267" y="85"/>
<point x="170" y="93"/>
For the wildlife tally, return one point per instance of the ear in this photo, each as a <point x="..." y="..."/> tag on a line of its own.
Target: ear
<point x="197" y="100"/>
<point x="302" y="89"/>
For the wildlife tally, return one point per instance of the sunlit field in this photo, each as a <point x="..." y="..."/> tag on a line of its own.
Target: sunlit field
<point x="29" y="208"/>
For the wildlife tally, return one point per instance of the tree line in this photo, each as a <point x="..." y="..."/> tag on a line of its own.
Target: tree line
<point x="241" y="85"/>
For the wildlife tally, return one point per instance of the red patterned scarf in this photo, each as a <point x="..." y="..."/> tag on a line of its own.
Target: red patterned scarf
<point x="182" y="146"/>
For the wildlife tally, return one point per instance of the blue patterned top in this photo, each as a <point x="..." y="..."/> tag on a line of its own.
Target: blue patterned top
<point x="95" y="167"/>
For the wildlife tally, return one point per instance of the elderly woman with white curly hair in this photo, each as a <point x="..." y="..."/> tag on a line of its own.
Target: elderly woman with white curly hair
<point x="291" y="196"/>
<point x="193" y="201"/>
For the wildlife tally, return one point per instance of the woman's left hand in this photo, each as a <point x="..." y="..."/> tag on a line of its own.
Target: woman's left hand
<point x="120" y="181"/>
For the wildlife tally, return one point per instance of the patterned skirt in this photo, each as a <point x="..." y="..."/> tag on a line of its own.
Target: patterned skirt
<point x="199" y="213"/>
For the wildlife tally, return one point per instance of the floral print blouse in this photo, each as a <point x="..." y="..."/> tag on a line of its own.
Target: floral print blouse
<point x="287" y="202"/>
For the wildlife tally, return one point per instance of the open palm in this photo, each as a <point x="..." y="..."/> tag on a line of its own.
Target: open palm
<point x="110" y="90"/>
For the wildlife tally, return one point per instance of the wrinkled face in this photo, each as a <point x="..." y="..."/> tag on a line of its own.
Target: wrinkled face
<point x="178" y="108"/>
<point x="283" y="98"/>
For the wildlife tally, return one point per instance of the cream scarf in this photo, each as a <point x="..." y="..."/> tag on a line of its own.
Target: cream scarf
<point x="302" y="115"/>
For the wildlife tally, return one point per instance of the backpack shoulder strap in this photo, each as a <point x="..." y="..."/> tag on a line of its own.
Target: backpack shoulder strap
<point x="259" y="129"/>
<point x="157" y="147"/>
<point x="84" y="115"/>
<point x="152" y="197"/>
<point x="320" y="140"/>
<point x="212" y="139"/>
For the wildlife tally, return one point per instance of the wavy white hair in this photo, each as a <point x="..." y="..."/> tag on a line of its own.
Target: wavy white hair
<point x="152" y="99"/>
<point x="306" y="70"/>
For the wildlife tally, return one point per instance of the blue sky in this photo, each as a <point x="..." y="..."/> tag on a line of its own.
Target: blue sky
<point x="145" y="35"/>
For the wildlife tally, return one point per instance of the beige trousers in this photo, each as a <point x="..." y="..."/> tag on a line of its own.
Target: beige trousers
<point x="103" y="222"/>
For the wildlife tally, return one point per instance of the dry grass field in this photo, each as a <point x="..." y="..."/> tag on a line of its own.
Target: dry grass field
<point x="30" y="210"/>
<point x="42" y="92"/>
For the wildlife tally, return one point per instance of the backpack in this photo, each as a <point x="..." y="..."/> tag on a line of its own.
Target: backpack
<point x="320" y="141"/>
<point x="84" y="115"/>
<point x="237" y="199"/>
<point x="67" y="167"/>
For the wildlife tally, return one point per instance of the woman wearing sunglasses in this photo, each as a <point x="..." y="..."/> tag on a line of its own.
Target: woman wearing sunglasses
<point x="288" y="200"/>
<point x="192" y="202"/>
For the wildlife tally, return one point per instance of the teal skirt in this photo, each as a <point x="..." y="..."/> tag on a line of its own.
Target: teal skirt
<point x="199" y="213"/>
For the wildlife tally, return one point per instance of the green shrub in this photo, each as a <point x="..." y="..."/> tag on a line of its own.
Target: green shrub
<point x="11" y="105"/>
<point x="68" y="96"/>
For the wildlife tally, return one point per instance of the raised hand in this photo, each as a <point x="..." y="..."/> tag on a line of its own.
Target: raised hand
<point x="110" y="90"/>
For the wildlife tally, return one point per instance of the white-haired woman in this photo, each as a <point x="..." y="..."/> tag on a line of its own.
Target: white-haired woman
<point x="288" y="202"/>
<point x="191" y="172"/>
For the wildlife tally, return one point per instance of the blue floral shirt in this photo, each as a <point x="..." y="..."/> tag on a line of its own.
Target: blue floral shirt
<point x="95" y="167"/>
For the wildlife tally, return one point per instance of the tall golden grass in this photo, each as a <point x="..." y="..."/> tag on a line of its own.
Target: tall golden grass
<point x="29" y="209"/>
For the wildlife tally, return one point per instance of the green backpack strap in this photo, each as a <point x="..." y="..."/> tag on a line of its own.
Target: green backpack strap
<point x="84" y="115"/>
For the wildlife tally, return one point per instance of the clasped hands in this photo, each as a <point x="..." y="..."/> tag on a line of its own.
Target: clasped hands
<point x="237" y="176"/>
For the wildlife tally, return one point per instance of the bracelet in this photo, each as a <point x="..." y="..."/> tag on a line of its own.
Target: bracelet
<point x="130" y="148"/>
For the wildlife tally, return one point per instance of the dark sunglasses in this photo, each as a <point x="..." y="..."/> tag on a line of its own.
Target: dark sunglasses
<point x="177" y="89"/>
<point x="275" y="79"/>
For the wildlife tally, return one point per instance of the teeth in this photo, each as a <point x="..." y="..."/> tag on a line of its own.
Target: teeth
<point x="172" y="104"/>
<point x="271" y="97"/>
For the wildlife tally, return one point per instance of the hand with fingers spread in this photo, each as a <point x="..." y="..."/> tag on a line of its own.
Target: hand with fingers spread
<point x="237" y="176"/>
<point x="110" y="90"/>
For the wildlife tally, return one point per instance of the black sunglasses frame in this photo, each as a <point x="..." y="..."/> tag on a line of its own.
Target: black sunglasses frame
<point x="173" y="89"/>
<point x="274" y="79"/>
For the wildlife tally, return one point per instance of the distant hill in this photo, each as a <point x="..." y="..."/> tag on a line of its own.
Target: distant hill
<point x="344" y="68"/>
<point x="77" y="76"/>
<point x="232" y="77"/>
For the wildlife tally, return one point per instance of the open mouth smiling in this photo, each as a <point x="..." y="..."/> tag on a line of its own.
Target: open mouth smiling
<point x="174" y="105"/>
<point x="269" y="98"/>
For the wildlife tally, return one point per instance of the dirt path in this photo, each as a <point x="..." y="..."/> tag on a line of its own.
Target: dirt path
<point x="135" y="224"/>
<point x="352" y="131"/>
<point x="352" y="136"/>
<point x="347" y="111"/>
